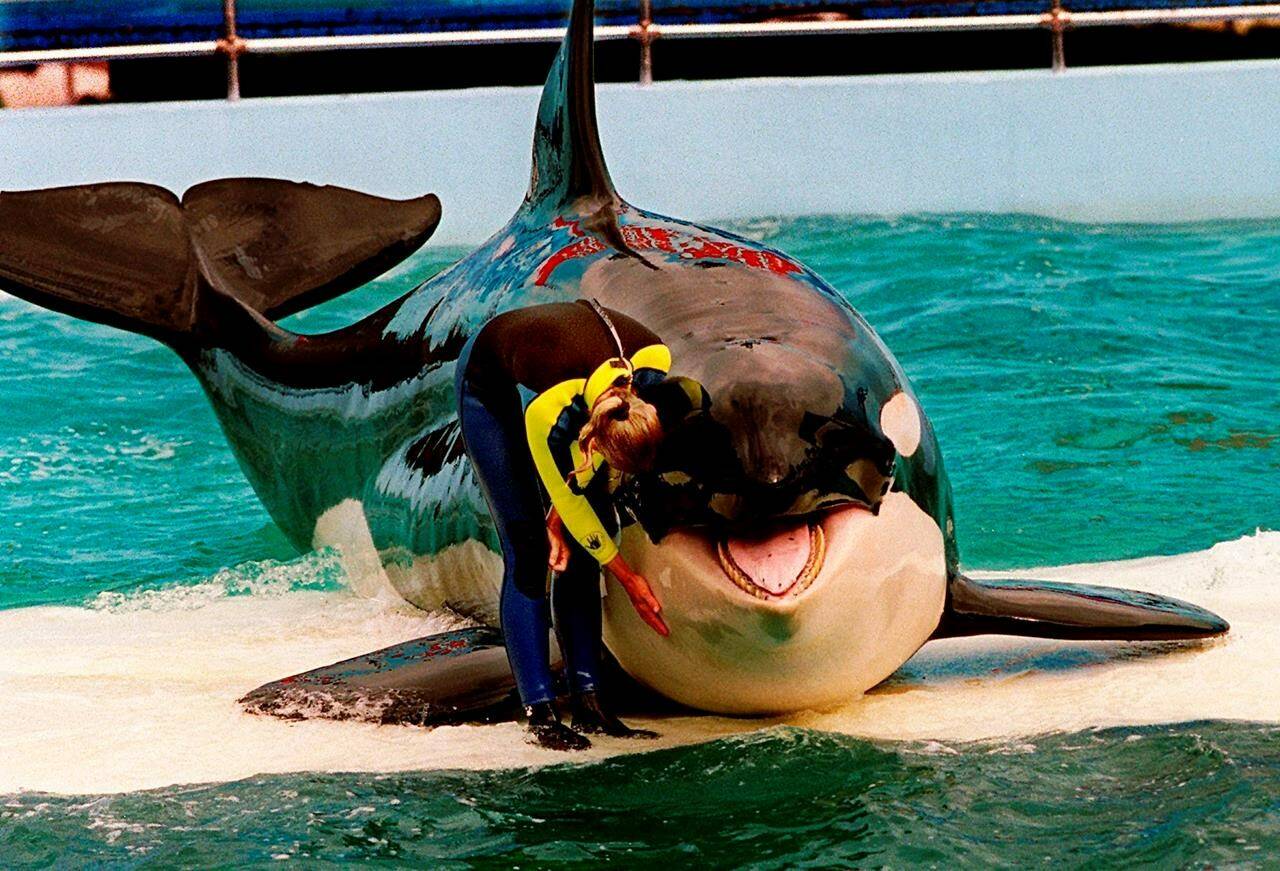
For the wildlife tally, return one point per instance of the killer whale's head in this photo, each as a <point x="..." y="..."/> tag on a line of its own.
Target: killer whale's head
<point x="794" y="524"/>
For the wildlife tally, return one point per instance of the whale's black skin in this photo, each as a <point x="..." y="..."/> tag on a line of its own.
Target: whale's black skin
<point x="365" y="415"/>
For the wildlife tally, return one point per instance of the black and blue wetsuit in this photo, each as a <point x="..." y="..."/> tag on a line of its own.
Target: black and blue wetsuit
<point x="526" y="383"/>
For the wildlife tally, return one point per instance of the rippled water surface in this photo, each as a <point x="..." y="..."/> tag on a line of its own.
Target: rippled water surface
<point x="1100" y="392"/>
<point x="1201" y="793"/>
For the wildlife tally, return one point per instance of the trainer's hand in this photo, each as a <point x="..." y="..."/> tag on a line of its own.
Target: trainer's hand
<point x="558" y="555"/>
<point x="641" y="594"/>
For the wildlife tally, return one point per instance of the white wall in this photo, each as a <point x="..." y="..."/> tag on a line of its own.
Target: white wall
<point x="1157" y="143"/>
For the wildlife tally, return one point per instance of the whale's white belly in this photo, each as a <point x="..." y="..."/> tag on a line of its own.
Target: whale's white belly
<point x="465" y="578"/>
<point x="877" y="600"/>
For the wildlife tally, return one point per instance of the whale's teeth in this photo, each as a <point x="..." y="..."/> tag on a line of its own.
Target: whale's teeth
<point x="806" y="576"/>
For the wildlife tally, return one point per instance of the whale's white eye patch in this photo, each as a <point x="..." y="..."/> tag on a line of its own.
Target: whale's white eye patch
<point x="900" y="423"/>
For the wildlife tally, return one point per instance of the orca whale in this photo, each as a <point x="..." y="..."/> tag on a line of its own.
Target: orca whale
<point x="797" y="526"/>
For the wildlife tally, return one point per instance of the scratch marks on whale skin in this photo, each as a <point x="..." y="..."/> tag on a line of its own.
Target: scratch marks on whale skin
<point x="669" y="238"/>
<point x="504" y="246"/>
<point x="528" y="262"/>
<point x="477" y="287"/>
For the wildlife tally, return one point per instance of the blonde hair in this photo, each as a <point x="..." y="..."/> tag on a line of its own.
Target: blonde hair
<point x="623" y="428"/>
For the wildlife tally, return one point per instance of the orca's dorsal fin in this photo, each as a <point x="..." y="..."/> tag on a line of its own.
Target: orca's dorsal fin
<point x="568" y="163"/>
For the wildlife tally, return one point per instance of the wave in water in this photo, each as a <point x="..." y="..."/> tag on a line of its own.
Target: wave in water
<point x="1198" y="794"/>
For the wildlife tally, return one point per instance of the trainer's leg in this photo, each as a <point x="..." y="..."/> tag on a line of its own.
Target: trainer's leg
<point x="498" y="453"/>
<point x="575" y="600"/>
<point x="516" y="508"/>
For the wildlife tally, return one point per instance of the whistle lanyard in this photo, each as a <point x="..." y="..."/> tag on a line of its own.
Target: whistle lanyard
<point x="608" y="324"/>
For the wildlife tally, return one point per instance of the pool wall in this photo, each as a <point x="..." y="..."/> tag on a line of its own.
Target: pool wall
<point x="1144" y="143"/>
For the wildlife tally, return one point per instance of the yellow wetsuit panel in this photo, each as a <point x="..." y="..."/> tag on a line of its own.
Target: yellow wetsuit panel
<point x="541" y="418"/>
<point x="574" y="508"/>
<point x="653" y="357"/>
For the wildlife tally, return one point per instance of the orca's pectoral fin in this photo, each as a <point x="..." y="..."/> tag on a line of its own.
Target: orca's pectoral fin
<point x="452" y="677"/>
<point x="1044" y="609"/>
<point x="281" y="246"/>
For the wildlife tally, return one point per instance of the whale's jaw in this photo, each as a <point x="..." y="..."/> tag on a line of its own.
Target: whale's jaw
<point x="764" y="644"/>
<point x="780" y="560"/>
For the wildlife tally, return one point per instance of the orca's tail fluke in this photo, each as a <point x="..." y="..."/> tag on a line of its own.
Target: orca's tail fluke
<point x="281" y="247"/>
<point x="137" y="257"/>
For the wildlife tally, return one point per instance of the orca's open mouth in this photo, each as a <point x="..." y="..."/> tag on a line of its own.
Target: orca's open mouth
<point x="780" y="560"/>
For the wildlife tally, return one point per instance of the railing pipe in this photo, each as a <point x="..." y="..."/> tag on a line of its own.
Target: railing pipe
<point x="645" y="34"/>
<point x="1057" y="21"/>
<point x="233" y="46"/>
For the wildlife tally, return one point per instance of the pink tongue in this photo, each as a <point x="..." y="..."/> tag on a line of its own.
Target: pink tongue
<point x="774" y="560"/>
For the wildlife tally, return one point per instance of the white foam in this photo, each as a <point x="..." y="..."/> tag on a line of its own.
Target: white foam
<point x="142" y="693"/>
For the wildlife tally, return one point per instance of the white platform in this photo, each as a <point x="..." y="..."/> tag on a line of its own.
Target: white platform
<point x="1151" y="143"/>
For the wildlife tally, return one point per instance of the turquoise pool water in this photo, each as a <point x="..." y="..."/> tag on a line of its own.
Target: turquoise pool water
<point x="1100" y="392"/>
<point x="1201" y="795"/>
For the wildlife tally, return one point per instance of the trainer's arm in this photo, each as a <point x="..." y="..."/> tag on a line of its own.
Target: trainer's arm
<point x="574" y="508"/>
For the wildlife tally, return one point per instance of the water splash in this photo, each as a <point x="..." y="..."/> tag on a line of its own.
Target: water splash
<point x="321" y="570"/>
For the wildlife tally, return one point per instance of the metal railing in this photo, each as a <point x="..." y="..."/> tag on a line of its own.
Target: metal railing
<point x="645" y="31"/>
